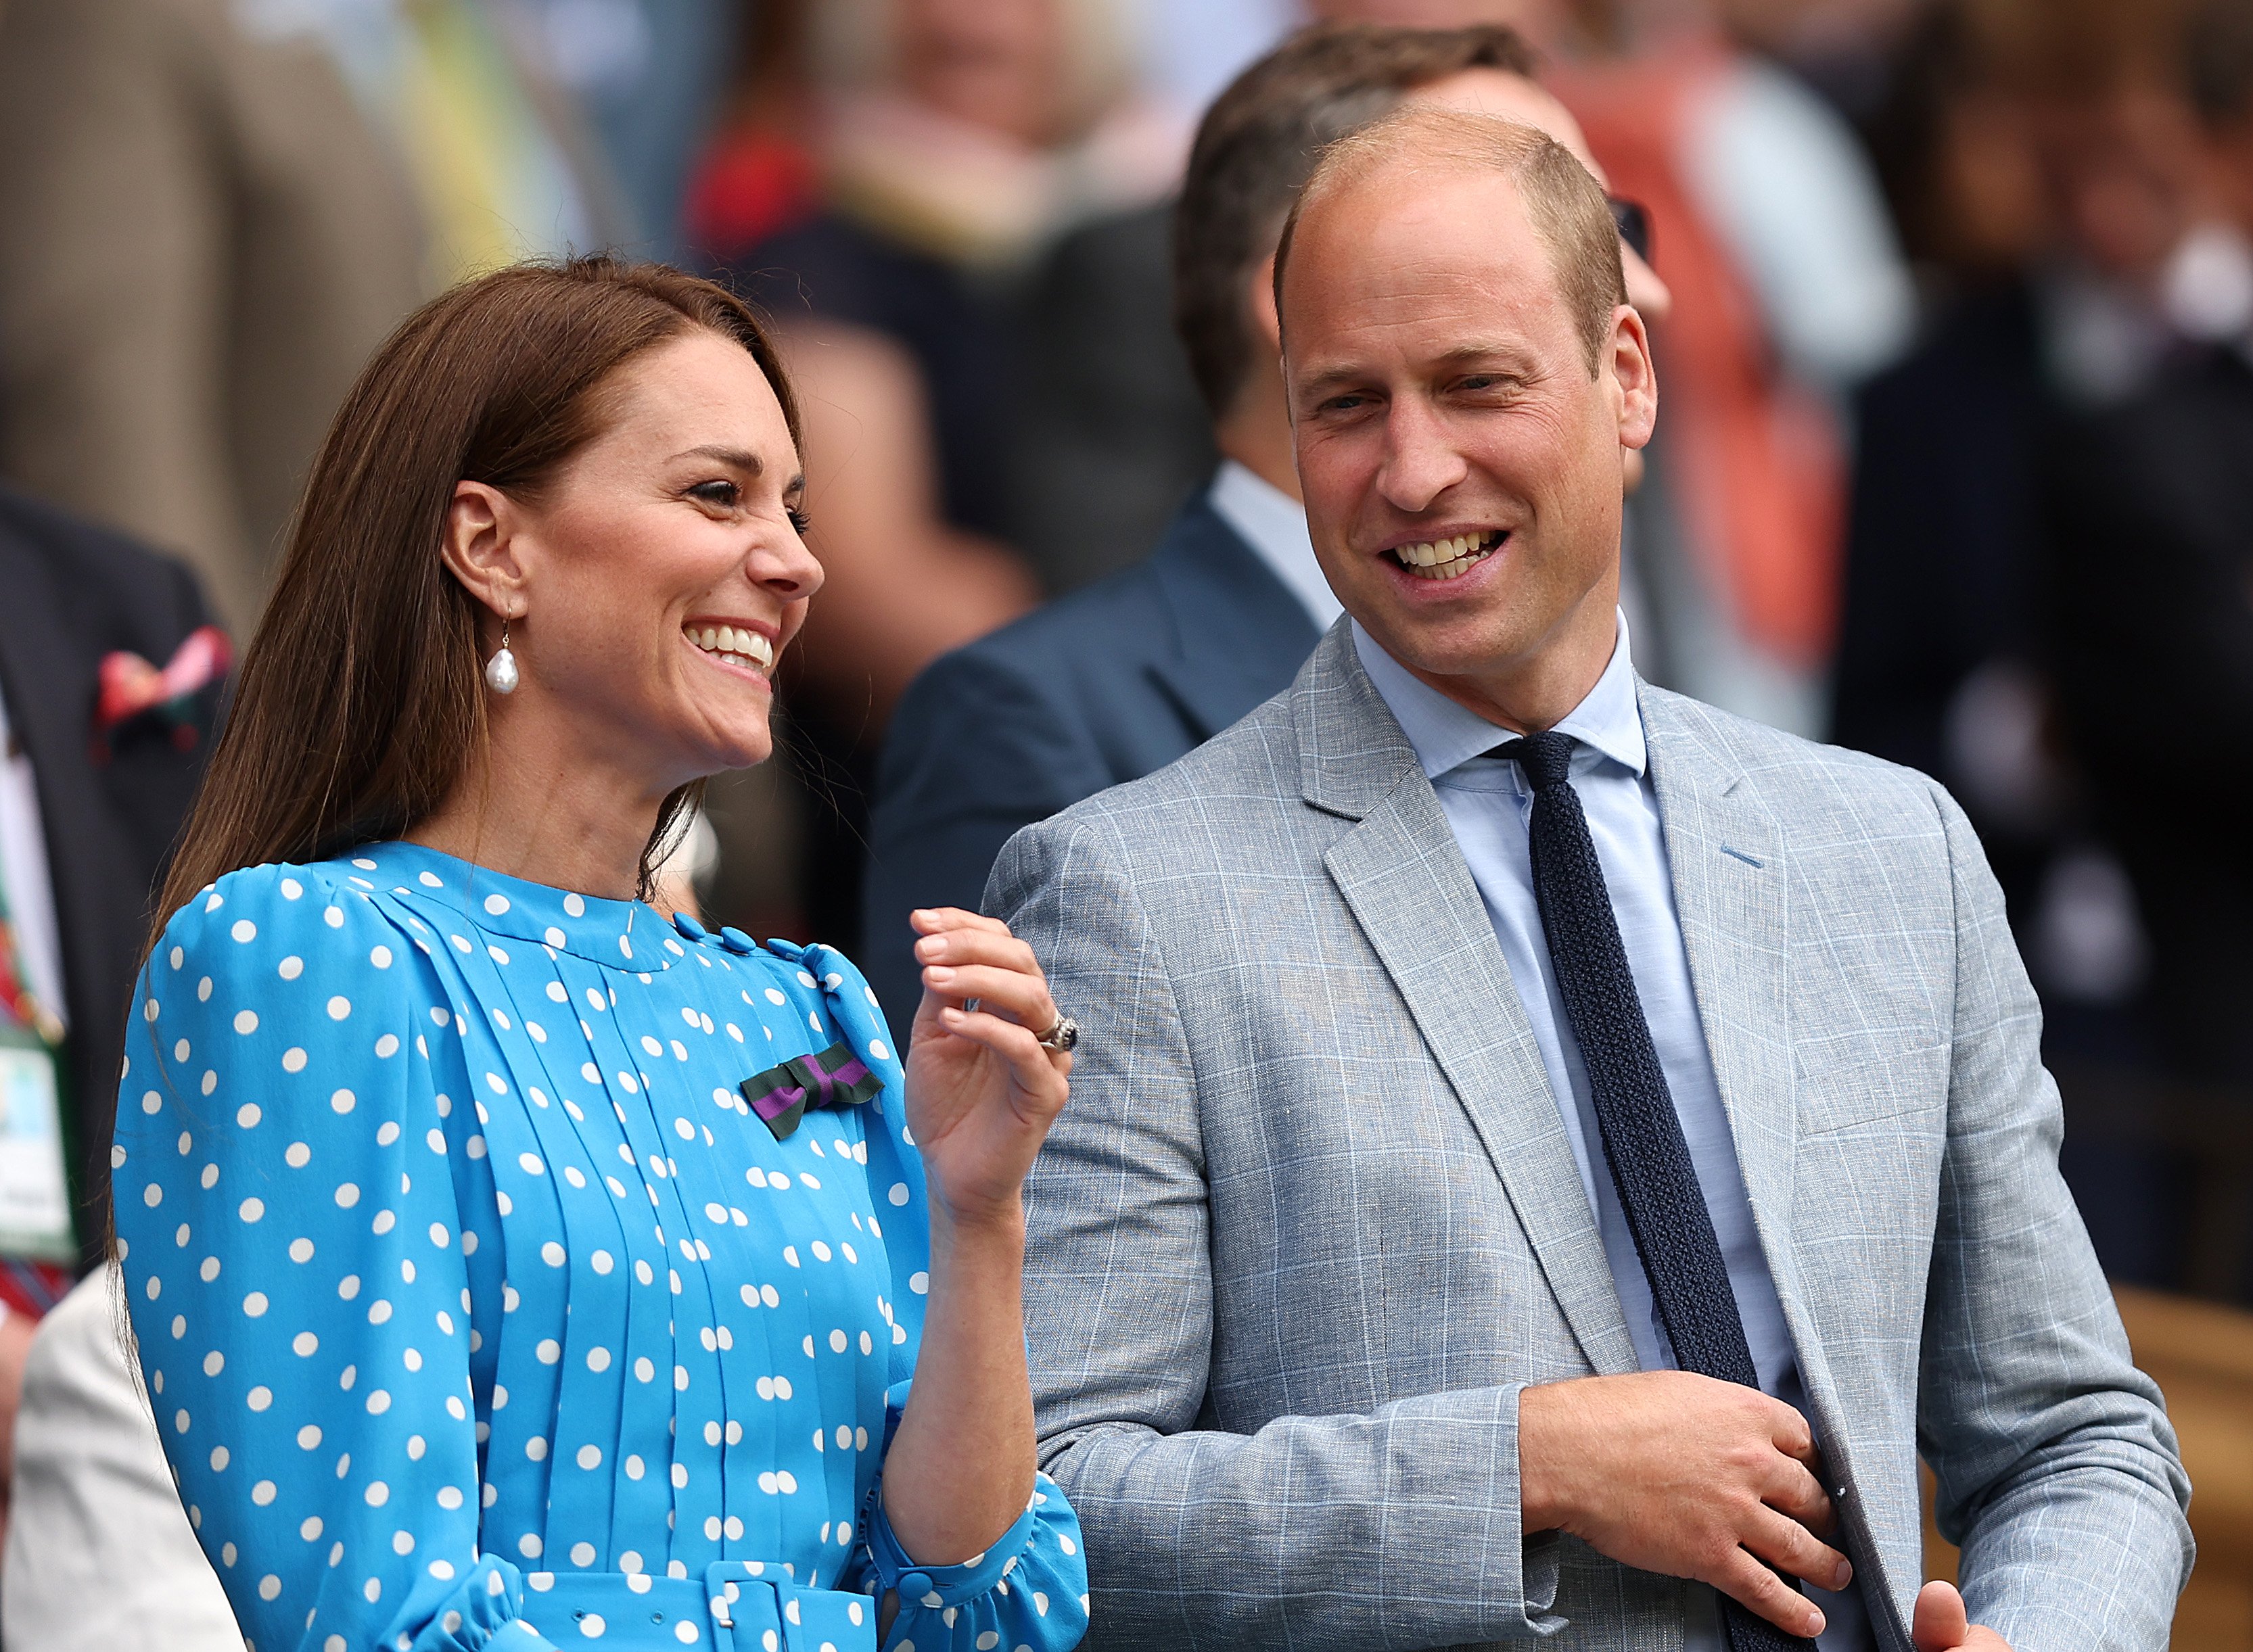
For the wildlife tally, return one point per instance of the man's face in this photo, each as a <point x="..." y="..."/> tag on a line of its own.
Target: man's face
<point x="1462" y="467"/>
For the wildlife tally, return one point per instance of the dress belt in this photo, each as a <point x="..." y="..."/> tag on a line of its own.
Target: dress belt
<point x="740" y="1606"/>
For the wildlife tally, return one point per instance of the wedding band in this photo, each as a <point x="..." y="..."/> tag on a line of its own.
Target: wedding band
<point x="1062" y="1036"/>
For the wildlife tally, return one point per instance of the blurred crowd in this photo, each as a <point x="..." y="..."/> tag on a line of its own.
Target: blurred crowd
<point x="1956" y="463"/>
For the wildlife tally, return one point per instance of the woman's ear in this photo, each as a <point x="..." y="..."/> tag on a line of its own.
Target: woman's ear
<point x="479" y="547"/>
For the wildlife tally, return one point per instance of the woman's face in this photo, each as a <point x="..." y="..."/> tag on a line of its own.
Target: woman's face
<point x="658" y="578"/>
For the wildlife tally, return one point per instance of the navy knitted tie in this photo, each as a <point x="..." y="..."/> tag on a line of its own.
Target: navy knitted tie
<point x="1643" y="1143"/>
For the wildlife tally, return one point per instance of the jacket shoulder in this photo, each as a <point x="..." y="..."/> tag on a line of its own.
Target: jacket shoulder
<point x="1251" y="768"/>
<point x="1785" y="766"/>
<point x="90" y="564"/>
<point x="1094" y="631"/>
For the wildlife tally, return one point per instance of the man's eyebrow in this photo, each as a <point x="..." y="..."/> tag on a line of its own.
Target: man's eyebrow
<point x="1481" y="351"/>
<point x="1484" y="351"/>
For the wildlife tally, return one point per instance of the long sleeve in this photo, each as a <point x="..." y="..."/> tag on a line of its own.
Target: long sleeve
<point x="289" y="1221"/>
<point x="2058" y="1470"/>
<point x="1400" y="1526"/>
<point x="1028" y="1591"/>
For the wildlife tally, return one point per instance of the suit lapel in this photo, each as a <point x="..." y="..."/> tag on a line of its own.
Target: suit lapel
<point x="1240" y="635"/>
<point x="1732" y="893"/>
<point x="1407" y="885"/>
<point x="1732" y="897"/>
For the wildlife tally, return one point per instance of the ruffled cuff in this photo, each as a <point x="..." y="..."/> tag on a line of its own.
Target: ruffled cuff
<point x="1026" y="1593"/>
<point x="483" y="1613"/>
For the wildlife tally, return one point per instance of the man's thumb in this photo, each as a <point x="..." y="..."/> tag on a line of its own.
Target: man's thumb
<point x="1941" y="1625"/>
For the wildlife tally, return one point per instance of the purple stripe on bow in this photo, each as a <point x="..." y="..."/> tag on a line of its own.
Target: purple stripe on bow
<point x="836" y="1078"/>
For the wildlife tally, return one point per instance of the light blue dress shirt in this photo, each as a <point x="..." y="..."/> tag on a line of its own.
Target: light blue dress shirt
<point x="1488" y="804"/>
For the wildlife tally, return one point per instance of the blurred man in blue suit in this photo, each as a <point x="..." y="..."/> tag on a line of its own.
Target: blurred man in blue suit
<point x="1113" y="682"/>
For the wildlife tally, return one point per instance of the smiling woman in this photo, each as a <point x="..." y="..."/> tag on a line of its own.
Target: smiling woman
<point x="512" y="1265"/>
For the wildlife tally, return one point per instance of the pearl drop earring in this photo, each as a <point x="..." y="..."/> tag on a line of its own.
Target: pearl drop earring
<point x="502" y="675"/>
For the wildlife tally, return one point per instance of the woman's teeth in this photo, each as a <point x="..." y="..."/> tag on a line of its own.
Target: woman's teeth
<point x="748" y="649"/>
<point x="1448" y="558"/>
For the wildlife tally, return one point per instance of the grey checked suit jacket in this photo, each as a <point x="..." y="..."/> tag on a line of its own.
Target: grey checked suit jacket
<point x="1311" y="1220"/>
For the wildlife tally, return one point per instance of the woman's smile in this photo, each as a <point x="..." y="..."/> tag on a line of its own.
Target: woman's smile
<point x="739" y="647"/>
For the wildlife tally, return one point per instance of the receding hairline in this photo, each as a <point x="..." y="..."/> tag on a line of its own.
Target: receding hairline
<point x="1431" y="143"/>
<point x="1425" y="141"/>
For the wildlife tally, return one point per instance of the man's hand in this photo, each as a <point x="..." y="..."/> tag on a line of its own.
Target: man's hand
<point x="1941" y="1624"/>
<point x="1678" y="1473"/>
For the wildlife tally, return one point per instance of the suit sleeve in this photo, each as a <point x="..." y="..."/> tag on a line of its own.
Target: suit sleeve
<point x="1399" y="1527"/>
<point x="2058" y="1470"/>
<point x="977" y="750"/>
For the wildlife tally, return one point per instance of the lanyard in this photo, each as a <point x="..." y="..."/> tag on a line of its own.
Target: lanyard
<point x="36" y="1206"/>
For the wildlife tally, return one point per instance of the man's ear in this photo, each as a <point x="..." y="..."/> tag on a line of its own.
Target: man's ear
<point x="480" y="545"/>
<point x="1631" y="369"/>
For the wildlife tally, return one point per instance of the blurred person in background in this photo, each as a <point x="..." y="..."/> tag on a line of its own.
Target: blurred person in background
<point x="211" y="210"/>
<point x="2148" y="594"/>
<point x="650" y="78"/>
<point x="943" y="143"/>
<point x="111" y="681"/>
<point x="2043" y="156"/>
<point x="1790" y="289"/>
<point x="2057" y="192"/>
<point x="200" y="238"/>
<point x="1120" y="679"/>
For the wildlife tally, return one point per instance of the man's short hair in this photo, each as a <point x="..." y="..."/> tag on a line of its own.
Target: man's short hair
<point x="1562" y="198"/>
<point x="1258" y="142"/>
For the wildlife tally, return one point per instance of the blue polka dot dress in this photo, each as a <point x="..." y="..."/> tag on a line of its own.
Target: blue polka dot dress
<point x="478" y="1306"/>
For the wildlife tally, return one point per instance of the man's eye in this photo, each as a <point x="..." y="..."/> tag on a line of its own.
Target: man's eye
<point x="721" y="494"/>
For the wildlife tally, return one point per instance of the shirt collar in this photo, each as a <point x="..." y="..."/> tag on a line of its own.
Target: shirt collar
<point x="1607" y="723"/>
<point x="1275" y="526"/>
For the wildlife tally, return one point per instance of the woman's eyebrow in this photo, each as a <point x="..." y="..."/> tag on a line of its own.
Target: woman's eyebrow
<point x="741" y="458"/>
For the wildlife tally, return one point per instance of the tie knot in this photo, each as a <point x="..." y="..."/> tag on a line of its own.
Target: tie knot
<point x="1547" y="758"/>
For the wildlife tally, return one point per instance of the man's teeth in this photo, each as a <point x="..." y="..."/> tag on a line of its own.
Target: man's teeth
<point x="1445" y="559"/>
<point x="737" y="647"/>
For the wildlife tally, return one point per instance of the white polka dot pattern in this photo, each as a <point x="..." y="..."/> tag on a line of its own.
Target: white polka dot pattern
<point x="489" y="1260"/>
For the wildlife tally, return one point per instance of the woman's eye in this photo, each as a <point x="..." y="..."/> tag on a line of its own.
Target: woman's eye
<point x="721" y="494"/>
<point x="800" y="523"/>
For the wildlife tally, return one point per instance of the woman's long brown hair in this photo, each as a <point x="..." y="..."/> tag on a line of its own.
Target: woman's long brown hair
<point x="361" y="698"/>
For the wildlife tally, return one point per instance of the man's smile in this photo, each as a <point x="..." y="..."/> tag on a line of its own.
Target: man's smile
<point x="1449" y="557"/>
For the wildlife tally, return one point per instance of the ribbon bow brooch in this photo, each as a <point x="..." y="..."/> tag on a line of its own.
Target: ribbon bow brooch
<point x="836" y="1078"/>
<point x="130" y="687"/>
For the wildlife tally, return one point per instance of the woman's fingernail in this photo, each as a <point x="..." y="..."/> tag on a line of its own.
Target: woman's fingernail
<point x="929" y="946"/>
<point x="949" y="1015"/>
<point x="937" y="974"/>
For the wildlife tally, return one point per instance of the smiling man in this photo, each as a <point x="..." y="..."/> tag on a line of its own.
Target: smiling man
<point x="1546" y="1156"/>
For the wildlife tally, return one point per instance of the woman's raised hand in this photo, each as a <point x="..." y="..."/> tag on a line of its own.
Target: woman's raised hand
<point x="982" y="1089"/>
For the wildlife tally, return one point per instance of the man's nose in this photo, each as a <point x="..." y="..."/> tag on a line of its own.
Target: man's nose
<point x="1421" y="461"/>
